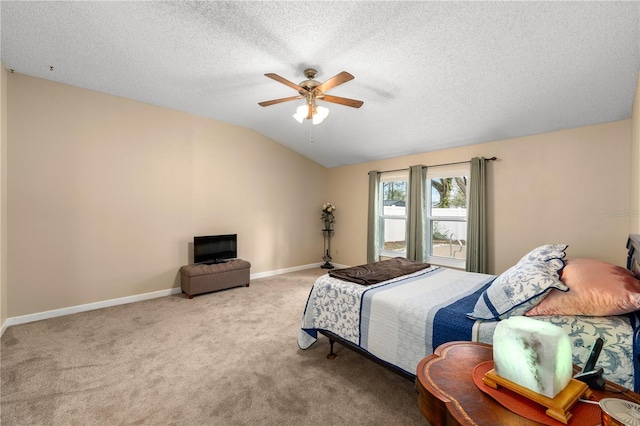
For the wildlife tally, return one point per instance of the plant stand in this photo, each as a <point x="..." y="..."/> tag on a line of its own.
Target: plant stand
<point x="327" y="233"/>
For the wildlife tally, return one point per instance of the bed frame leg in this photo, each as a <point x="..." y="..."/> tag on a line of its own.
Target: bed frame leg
<point x="332" y="354"/>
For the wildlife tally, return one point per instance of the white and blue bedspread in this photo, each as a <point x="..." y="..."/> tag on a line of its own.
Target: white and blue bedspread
<point x="402" y="320"/>
<point x="399" y="321"/>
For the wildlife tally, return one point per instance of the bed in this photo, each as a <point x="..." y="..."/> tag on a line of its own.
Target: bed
<point x="397" y="319"/>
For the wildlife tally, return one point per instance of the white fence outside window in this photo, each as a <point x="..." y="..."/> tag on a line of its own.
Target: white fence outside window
<point x="395" y="230"/>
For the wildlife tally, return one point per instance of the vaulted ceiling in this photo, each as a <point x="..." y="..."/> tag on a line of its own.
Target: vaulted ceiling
<point x="432" y="75"/>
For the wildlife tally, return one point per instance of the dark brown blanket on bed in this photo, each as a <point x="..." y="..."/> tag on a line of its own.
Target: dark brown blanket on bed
<point x="373" y="273"/>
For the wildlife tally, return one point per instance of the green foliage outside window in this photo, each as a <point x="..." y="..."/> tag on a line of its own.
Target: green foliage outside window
<point x="395" y="191"/>
<point x="451" y="192"/>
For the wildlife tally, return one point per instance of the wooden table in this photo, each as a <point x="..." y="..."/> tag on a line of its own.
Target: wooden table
<point x="447" y="394"/>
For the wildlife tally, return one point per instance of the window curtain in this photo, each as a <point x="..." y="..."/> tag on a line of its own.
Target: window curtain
<point x="477" y="220"/>
<point x="373" y="252"/>
<point x="415" y="214"/>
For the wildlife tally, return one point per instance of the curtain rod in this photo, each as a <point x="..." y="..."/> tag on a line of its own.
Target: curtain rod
<point x="437" y="165"/>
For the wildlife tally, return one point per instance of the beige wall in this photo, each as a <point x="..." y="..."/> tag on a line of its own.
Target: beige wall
<point x="105" y="195"/>
<point x="3" y="195"/>
<point x="634" y="217"/>
<point x="562" y="187"/>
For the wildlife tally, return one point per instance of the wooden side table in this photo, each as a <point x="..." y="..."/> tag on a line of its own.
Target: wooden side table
<point x="448" y="396"/>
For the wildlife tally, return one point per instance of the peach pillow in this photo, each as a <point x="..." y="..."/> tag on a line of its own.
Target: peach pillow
<point x="596" y="288"/>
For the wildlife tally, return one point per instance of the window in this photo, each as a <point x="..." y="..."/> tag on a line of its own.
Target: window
<point x="393" y="213"/>
<point x="446" y="215"/>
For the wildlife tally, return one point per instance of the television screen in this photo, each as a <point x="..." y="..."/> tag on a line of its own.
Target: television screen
<point x="215" y="248"/>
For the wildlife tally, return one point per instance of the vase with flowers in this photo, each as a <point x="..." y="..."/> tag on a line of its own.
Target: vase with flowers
<point x="327" y="215"/>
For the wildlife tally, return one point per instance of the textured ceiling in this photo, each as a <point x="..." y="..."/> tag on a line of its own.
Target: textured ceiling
<point x="432" y="75"/>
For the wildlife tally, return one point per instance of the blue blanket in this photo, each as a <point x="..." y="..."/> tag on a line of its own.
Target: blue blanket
<point x="451" y="322"/>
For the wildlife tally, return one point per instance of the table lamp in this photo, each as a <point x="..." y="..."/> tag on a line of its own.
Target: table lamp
<point x="534" y="354"/>
<point x="533" y="359"/>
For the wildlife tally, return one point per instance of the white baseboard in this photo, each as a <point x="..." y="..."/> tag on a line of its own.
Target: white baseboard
<point x="284" y="271"/>
<point x="23" y="319"/>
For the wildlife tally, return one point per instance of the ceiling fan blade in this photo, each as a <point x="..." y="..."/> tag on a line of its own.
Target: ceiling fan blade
<point x="310" y="113"/>
<point x="334" y="81"/>
<point x="282" y="80"/>
<point x="277" y="101"/>
<point x="343" y="101"/>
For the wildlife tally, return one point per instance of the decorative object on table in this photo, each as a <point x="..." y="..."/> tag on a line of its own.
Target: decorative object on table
<point x="328" y="218"/>
<point x="584" y="413"/>
<point x="533" y="358"/>
<point x="533" y="354"/>
<point x="618" y="412"/>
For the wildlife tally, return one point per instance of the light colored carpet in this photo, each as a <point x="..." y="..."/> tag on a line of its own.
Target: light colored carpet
<point x="224" y="358"/>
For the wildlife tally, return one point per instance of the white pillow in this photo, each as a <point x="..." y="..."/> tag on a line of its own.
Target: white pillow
<point x="544" y="254"/>
<point x="519" y="289"/>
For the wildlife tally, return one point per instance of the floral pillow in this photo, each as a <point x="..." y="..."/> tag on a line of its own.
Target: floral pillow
<point x="544" y="253"/>
<point x="597" y="288"/>
<point x="518" y="289"/>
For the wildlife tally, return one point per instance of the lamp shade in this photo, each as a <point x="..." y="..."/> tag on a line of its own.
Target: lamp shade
<point x="533" y="354"/>
<point x="319" y="114"/>
<point x="301" y="113"/>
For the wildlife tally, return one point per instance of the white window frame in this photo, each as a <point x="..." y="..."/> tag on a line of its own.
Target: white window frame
<point x="395" y="176"/>
<point x="438" y="172"/>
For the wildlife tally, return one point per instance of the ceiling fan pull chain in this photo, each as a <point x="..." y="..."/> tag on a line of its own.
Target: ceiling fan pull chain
<point x="310" y="130"/>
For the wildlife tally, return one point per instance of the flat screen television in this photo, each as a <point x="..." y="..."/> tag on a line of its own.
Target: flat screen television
<point x="211" y="249"/>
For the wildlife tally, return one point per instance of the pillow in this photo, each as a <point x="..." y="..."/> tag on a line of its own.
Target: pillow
<point x="544" y="253"/>
<point x="518" y="289"/>
<point x="596" y="289"/>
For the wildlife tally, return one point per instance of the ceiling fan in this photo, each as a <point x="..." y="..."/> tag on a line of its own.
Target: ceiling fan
<point x="313" y="90"/>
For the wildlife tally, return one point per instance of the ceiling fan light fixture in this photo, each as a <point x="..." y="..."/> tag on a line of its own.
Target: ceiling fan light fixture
<point x="312" y="90"/>
<point x="301" y="113"/>
<point x="320" y="114"/>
